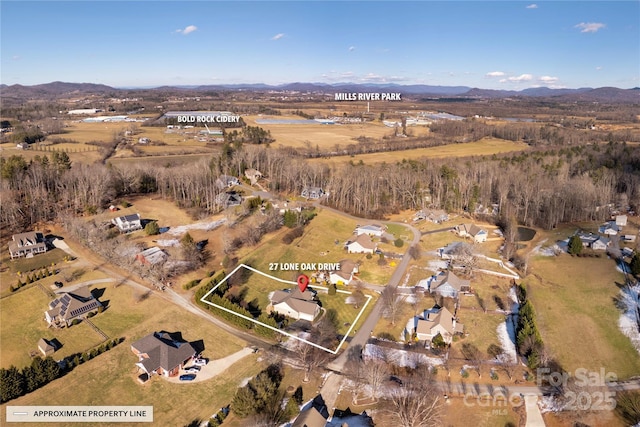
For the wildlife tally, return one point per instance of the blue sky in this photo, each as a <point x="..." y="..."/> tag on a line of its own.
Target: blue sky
<point x="487" y="44"/>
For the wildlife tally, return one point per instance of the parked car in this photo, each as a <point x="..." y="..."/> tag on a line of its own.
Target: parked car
<point x="187" y="377"/>
<point x="192" y="369"/>
<point x="201" y="361"/>
<point x="58" y="284"/>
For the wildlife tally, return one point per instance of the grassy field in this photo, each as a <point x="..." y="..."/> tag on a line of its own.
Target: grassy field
<point x="577" y="317"/>
<point x="110" y="379"/>
<point x="481" y="330"/>
<point x="23" y="324"/>
<point x="484" y="147"/>
<point x="324" y="136"/>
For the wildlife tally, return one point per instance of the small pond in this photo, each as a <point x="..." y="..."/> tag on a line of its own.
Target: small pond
<point x="525" y="234"/>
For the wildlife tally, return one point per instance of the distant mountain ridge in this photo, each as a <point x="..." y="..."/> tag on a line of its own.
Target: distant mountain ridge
<point x="603" y="94"/>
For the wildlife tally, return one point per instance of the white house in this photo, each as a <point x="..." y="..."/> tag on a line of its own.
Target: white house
<point x="600" y="244"/>
<point x="128" y="223"/>
<point x="27" y="244"/>
<point x="226" y="181"/>
<point x="449" y="285"/>
<point x="478" y="234"/>
<point x="312" y="192"/>
<point x="621" y="220"/>
<point x="295" y="304"/>
<point x="610" y="228"/>
<point x="361" y="245"/>
<point x="371" y="229"/>
<point x="344" y="276"/>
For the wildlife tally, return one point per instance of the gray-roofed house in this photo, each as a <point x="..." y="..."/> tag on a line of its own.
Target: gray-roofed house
<point x="314" y="416"/>
<point x="312" y="192"/>
<point x="128" y="223"/>
<point x="478" y="234"/>
<point x="152" y="256"/>
<point x="362" y="244"/>
<point x="253" y="175"/>
<point x="226" y="181"/>
<point x="370" y="229"/>
<point x="162" y="353"/>
<point x="449" y="285"/>
<point x="69" y="306"/>
<point x="345" y="274"/>
<point x="433" y="322"/>
<point x="25" y="244"/>
<point x="295" y="304"/>
<point x="45" y="347"/>
<point x="610" y="228"/>
<point x="227" y="200"/>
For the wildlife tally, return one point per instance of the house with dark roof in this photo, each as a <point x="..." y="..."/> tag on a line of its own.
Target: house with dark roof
<point x="610" y="228"/>
<point x="27" y="244"/>
<point x="295" y="304"/>
<point x="226" y="200"/>
<point x="162" y="353"/>
<point x="69" y="306"/>
<point x="128" y="223"/>
<point x="449" y="285"/>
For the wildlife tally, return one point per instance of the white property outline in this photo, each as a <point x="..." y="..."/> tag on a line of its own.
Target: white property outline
<point x="276" y="329"/>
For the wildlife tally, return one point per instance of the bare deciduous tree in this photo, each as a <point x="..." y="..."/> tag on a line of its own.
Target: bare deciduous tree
<point x="391" y="303"/>
<point x="375" y="372"/>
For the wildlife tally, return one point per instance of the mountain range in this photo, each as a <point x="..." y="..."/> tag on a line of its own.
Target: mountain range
<point x="603" y="94"/>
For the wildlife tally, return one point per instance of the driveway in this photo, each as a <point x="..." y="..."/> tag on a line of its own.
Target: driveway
<point x="213" y="368"/>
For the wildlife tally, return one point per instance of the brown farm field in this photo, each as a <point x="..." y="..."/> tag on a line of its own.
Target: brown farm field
<point x="484" y="147"/>
<point x="574" y="299"/>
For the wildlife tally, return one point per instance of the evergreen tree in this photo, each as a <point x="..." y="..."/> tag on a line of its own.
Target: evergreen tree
<point x="244" y="403"/>
<point x="575" y="245"/>
<point x="634" y="265"/>
<point x="152" y="228"/>
<point x="11" y="384"/>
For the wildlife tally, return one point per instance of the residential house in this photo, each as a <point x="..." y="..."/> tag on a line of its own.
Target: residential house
<point x="344" y="276"/>
<point x="452" y="250"/>
<point x="601" y="244"/>
<point x="128" y="223"/>
<point x="312" y="192"/>
<point x="610" y="228"/>
<point x="587" y="239"/>
<point x="371" y="229"/>
<point x="434" y="215"/>
<point x="27" y="244"/>
<point x="45" y="347"/>
<point x="152" y="256"/>
<point x="227" y="200"/>
<point x="253" y="175"/>
<point x="295" y="304"/>
<point x="314" y="416"/>
<point x="144" y="140"/>
<point x="629" y="238"/>
<point x="447" y="284"/>
<point x="70" y="306"/>
<point x="362" y="244"/>
<point x="437" y="320"/>
<point x="226" y="181"/>
<point x="478" y="234"/>
<point x="162" y="353"/>
<point x="621" y="220"/>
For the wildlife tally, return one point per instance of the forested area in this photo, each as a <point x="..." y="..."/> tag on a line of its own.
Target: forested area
<point x="539" y="187"/>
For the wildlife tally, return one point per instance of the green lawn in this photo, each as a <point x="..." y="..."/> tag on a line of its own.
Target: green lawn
<point x="574" y="303"/>
<point x="23" y="324"/>
<point x="110" y="379"/>
<point x="347" y="313"/>
<point x="38" y="262"/>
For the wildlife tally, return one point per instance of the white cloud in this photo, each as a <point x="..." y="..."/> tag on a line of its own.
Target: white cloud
<point x="187" y="30"/>
<point x="277" y="36"/>
<point x="521" y="78"/>
<point x="532" y="6"/>
<point x="494" y="74"/>
<point x="502" y="81"/>
<point x="590" y="27"/>
<point x="16" y="57"/>
<point x="548" y="79"/>
<point x="598" y="68"/>
<point x="352" y="48"/>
